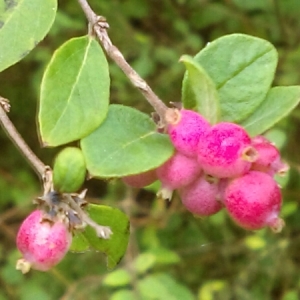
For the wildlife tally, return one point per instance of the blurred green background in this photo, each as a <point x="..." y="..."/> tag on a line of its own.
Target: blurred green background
<point x="171" y="255"/>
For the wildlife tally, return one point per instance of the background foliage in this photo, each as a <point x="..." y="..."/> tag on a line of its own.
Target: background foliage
<point x="171" y="255"/>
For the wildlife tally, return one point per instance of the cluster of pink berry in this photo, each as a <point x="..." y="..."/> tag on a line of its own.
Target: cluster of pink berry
<point x="219" y="166"/>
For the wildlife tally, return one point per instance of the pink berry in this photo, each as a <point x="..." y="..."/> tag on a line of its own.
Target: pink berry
<point x="140" y="180"/>
<point x="186" y="128"/>
<point x="201" y="197"/>
<point x="254" y="201"/>
<point x="177" y="172"/>
<point x="226" y="151"/>
<point x="268" y="159"/>
<point x="42" y="243"/>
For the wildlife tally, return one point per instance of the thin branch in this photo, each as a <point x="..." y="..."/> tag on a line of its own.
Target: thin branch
<point x="14" y="135"/>
<point x="89" y="13"/>
<point x="101" y="231"/>
<point x="100" y="27"/>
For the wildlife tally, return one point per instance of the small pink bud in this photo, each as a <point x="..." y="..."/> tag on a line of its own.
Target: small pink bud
<point x="43" y="243"/>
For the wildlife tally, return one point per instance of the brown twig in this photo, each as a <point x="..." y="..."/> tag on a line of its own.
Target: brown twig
<point x="100" y="26"/>
<point x="101" y="231"/>
<point x="14" y="135"/>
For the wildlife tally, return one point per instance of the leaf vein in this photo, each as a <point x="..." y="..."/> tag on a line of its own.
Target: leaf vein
<point x="128" y="144"/>
<point x="243" y="68"/>
<point x="73" y="87"/>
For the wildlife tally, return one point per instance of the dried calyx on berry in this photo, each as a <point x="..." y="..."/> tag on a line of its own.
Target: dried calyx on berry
<point x="268" y="160"/>
<point x="43" y="241"/>
<point x="45" y="236"/>
<point x="254" y="201"/>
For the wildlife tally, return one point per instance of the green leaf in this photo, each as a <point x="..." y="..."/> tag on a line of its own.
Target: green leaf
<point x="23" y="24"/>
<point x="211" y="289"/>
<point x="79" y="243"/>
<point x="144" y="262"/>
<point x="280" y="101"/>
<point x="74" y="92"/>
<point x="116" y="246"/>
<point x="165" y="256"/>
<point x="126" y="143"/>
<point x="289" y="208"/>
<point x="199" y="93"/>
<point x="161" y="287"/>
<point x="155" y="257"/>
<point x="277" y="136"/>
<point x="242" y="68"/>
<point x="123" y="295"/>
<point x="255" y="242"/>
<point x="117" y="278"/>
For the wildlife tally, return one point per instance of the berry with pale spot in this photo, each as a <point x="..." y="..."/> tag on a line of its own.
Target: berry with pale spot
<point x="226" y="151"/>
<point x="186" y="128"/>
<point x="43" y="243"/>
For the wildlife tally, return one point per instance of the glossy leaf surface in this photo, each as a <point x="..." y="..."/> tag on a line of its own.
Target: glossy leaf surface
<point x="74" y="92"/>
<point x="23" y="24"/>
<point x="199" y="92"/>
<point x="280" y="101"/>
<point x="79" y="243"/>
<point x="126" y="143"/>
<point x="114" y="247"/>
<point x="242" y="68"/>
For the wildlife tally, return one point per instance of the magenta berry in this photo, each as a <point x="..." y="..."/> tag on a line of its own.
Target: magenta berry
<point x="226" y="151"/>
<point x="140" y="180"/>
<point x="254" y="201"/>
<point x="201" y="197"/>
<point x="268" y="159"/>
<point x="177" y="172"/>
<point x="43" y="243"/>
<point x="186" y="128"/>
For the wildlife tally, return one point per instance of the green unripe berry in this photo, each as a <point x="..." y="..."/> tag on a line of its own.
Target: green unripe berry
<point x="69" y="170"/>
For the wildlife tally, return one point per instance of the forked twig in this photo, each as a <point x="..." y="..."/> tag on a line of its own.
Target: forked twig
<point x="99" y="27"/>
